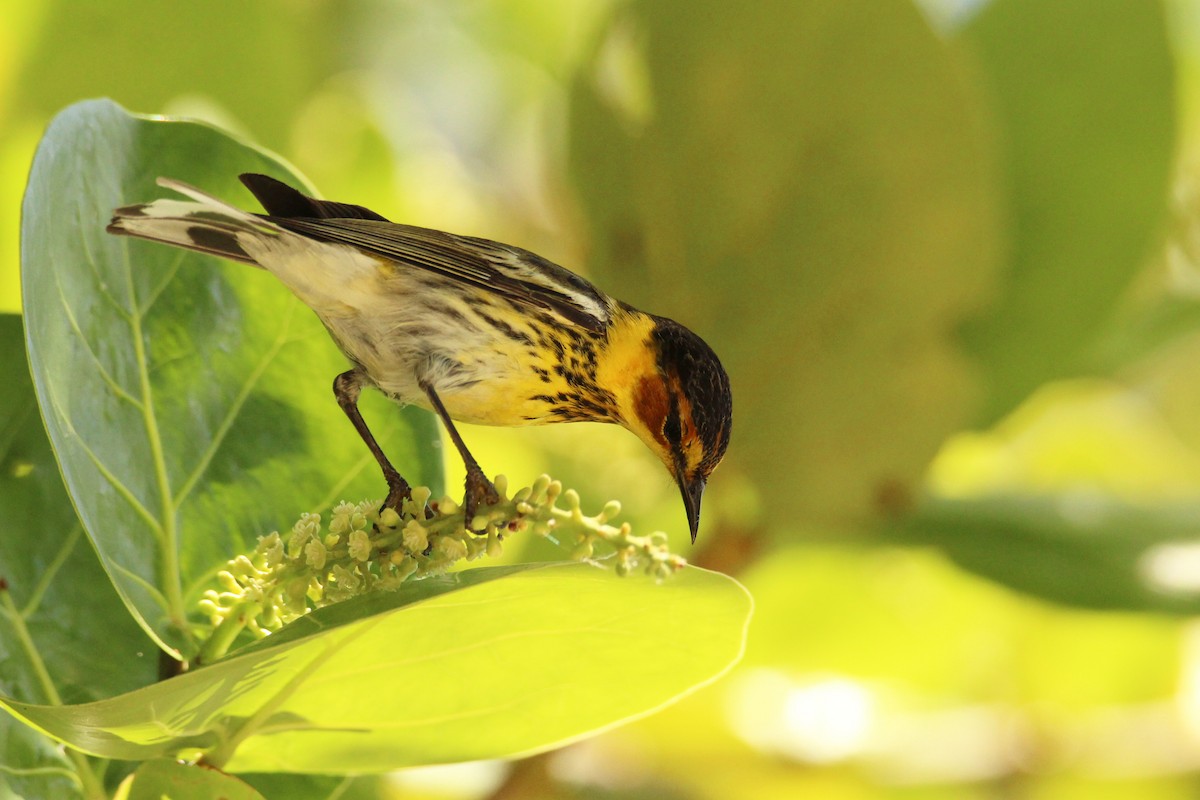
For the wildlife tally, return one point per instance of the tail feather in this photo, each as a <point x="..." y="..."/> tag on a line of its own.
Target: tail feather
<point x="204" y="224"/>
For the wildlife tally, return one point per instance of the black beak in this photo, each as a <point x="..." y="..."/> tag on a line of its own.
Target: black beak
<point x="692" y="492"/>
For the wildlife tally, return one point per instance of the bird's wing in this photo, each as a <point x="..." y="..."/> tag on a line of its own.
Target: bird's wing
<point x="517" y="274"/>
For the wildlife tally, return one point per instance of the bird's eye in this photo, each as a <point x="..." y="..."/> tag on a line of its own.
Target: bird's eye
<point x="671" y="429"/>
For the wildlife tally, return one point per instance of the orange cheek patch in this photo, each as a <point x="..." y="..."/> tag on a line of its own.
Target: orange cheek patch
<point x="651" y="405"/>
<point x="693" y="448"/>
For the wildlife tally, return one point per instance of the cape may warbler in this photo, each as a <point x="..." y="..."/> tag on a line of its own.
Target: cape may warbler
<point x="471" y="329"/>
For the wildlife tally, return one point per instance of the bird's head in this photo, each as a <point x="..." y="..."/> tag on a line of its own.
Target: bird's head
<point x="683" y="409"/>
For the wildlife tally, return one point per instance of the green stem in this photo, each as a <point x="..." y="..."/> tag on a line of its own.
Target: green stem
<point x="31" y="652"/>
<point x="91" y="785"/>
<point x="218" y="642"/>
<point x="172" y="581"/>
<point x="60" y="558"/>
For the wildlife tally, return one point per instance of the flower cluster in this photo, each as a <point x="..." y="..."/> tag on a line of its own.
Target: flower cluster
<point x="363" y="550"/>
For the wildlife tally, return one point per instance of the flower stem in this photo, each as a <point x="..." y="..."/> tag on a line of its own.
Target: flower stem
<point x="362" y="549"/>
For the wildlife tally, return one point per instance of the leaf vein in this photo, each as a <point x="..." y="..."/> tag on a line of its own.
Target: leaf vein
<point x="159" y="598"/>
<point x="105" y="375"/>
<point x="101" y="284"/>
<point x="339" y="486"/>
<point x="60" y="558"/>
<point x="168" y="276"/>
<point x="103" y="469"/>
<point x="171" y="578"/>
<point x="235" y="408"/>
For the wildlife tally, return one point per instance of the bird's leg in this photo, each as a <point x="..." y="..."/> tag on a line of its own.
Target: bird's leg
<point x="347" y="387"/>
<point x="478" y="488"/>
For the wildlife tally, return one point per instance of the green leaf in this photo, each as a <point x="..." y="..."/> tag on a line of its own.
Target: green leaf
<point x="487" y="663"/>
<point x="33" y="765"/>
<point x="188" y="399"/>
<point x="809" y="187"/>
<point x="1084" y="97"/>
<point x="64" y="633"/>
<point x="164" y="778"/>
<point x="1087" y="550"/>
<point x="89" y="644"/>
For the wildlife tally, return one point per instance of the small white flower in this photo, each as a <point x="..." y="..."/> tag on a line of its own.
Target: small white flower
<point x="308" y="526"/>
<point x="339" y="522"/>
<point x="346" y="584"/>
<point x="449" y="548"/>
<point x="315" y="553"/>
<point x="271" y="549"/>
<point x="415" y="538"/>
<point x="360" y="545"/>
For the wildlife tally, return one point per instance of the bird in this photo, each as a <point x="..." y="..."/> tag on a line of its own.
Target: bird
<point x="471" y="329"/>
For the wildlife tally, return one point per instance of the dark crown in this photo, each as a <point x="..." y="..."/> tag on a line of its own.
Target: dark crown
<point x="704" y="383"/>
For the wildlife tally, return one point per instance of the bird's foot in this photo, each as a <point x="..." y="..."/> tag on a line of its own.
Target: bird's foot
<point x="479" y="491"/>
<point x="398" y="492"/>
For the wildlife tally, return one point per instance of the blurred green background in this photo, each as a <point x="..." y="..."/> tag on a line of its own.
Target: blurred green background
<point x="949" y="252"/>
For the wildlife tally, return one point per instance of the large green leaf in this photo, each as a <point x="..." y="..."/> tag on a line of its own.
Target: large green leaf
<point x="1085" y="550"/>
<point x="187" y="399"/>
<point x="64" y="633"/>
<point x="809" y="186"/>
<point x="486" y="663"/>
<point x="1084" y="98"/>
<point x="90" y="645"/>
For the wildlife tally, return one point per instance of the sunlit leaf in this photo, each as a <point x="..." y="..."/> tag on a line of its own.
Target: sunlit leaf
<point x="188" y="399"/>
<point x="177" y="781"/>
<point x="481" y="664"/>
<point x="321" y="787"/>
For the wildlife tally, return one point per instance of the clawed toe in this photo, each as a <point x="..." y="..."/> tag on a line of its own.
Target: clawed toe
<point x="479" y="491"/>
<point x="398" y="492"/>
